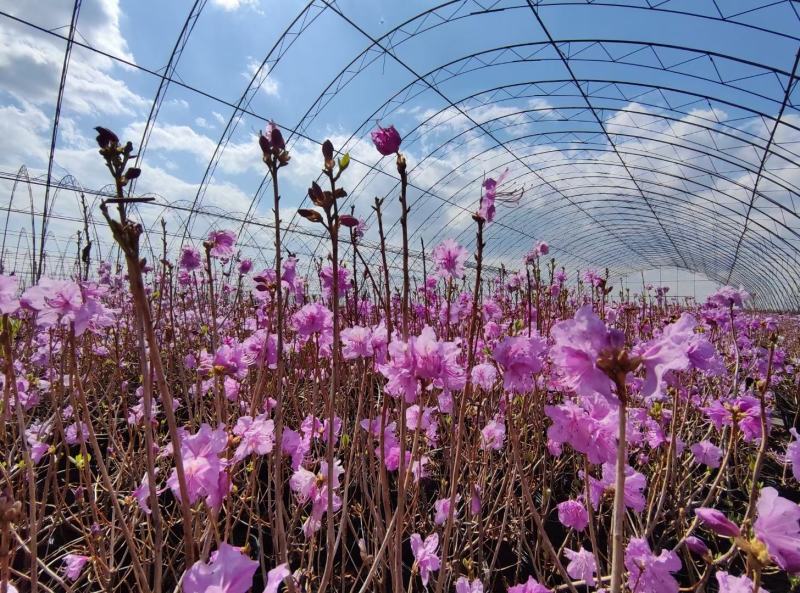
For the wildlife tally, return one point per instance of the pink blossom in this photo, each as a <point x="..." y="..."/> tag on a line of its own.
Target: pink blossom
<point x="520" y="358"/>
<point x="793" y="454"/>
<point x="648" y="573"/>
<point x="312" y="487"/>
<point x="8" y="294"/>
<point x="356" y="342"/>
<point x="203" y="468"/>
<point x="484" y="375"/>
<point x="386" y="140"/>
<point x="572" y="513"/>
<point x="276" y="576"/>
<point x="728" y="296"/>
<point x="442" y="509"/>
<point x="731" y="584"/>
<point x="635" y="483"/>
<point x="257" y="436"/>
<point x="73" y="566"/>
<point x="696" y="546"/>
<point x="190" y="259"/>
<point x="778" y="527"/>
<point x="229" y="571"/>
<point x="222" y="243"/>
<point x="579" y="342"/>
<point x="707" y="453"/>
<point x="591" y="431"/>
<point x="313" y="318"/>
<point x="449" y="258"/>
<point x="489" y="195"/>
<point x="582" y="565"/>
<point x="425" y="555"/>
<point x="463" y="585"/>
<point x="493" y="435"/>
<point x="529" y="586"/>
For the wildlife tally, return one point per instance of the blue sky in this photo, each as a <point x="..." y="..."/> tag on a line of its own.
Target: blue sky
<point x="449" y="154"/>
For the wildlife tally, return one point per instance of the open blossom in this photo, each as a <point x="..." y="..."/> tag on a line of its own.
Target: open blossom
<point x="441" y="509"/>
<point x="648" y="573"/>
<point x="529" y="586"/>
<point x="190" y="259"/>
<point x="386" y="140"/>
<point x="257" y="434"/>
<point x="312" y="487"/>
<point x="572" y="513"/>
<point x="228" y="571"/>
<point x="728" y="296"/>
<point x="590" y="428"/>
<point x="731" y="584"/>
<point x="73" y="566"/>
<point x="222" y="243"/>
<point x="9" y="303"/>
<point x="707" y="453"/>
<point x="313" y="318"/>
<point x="205" y="471"/>
<point x="777" y="526"/>
<point x="425" y="555"/>
<point x="489" y="195"/>
<point x="582" y="565"/>
<point x="744" y="412"/>
<point x="793" y="454"/>
<point x="464" y="585"/>
<point x="276" y="576"/>
<point x="357" y="342"/>
<point x="635" y="483"/>
<point x="520" y="358"/>
<point x="484" y="375"/>
<point x="449" y="258"/>
<point x="579" y="342"/>
<point x="493" y="435"/>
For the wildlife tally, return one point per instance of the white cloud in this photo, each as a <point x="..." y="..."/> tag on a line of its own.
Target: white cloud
<point x="267" y="84"/>
<point x="232" y="5"/>
<point x="218" y="117"/>
<point x="202" y="122"/>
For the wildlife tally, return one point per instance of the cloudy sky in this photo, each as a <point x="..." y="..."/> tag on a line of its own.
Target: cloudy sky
<point x="475" y="88"/>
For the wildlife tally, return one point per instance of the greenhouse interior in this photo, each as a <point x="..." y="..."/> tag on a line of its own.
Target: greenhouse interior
<point x="400" y="296"/>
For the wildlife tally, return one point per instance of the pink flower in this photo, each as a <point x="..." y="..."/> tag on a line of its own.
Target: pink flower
<point x="222" y="243"/>
<point x="778" y="527"/>
<point x="190" y="259"/>
<point x="634" y="484"/>
<point x="493" y="435"/>
<point x="204" y="470"/>
<point x="73" y="566"/>
<point x="326" y="277"/>
<point x="582" y="565"/>
<point x="257" y="434"/>
<point x="717" y="522"/>
<point x="530" y="586"/>
<point x="142" y="493"/>
<point x="489" y="195"/>
<point x="313" y="318"/>
<point x="520" y="357"/>
<point x="463" y="585"/>
<point x="591" y="431"/>
<point x="8" y="294"/>
<point x="648" y="573"/>
<point x="276" y="576"/>
<point x="229" y="571"/>
<point x="309" y="486"/>
<point x="572" y="513"/>
<point x="728" y="296"/>
<point x="442" y="508"/>
<point x="707" y="453"/>
<point x="386" y="140"/>
<point x="356" y="342"/>
<point x="245" y="266"/>
<point x="696" y="546"/>
<point x="579" y="342"/>
<point x="425" y="555"/>
<point x="484" y="375"/>
<point x="731" y="584"/>
<point x="449" y="258"/>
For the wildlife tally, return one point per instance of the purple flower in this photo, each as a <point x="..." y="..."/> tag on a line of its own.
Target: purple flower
<point x="8" y="294"/>
<point x="520" y="357"/>
<point x="648" y="573"/>
<point x="484" y="375"/>
<point x="386" y="140"/>
<point x="529" y="586"/>
<point x="73" y="566"/>
<point x="190" y="259"/>
<point x="449" y="258"/>
<point x="245" y="266"/>
<point x="728" y="296"/>
<point x="731" y="584"/>
<point x="222" y="243"/>
<point x="777" y="526"/>
<point x="717" y="522"/>
<point x="257" y="434"/>
<point x="573" y="514"/>
<point x="493" y="435"/>
<point x="707" y="453"/>
<point x="696" y="546"/>
<point x="275" y="577"/>
<point x="309" y="486"/>
<point x="634" y="484"/>
<point x="204" y="470"/>
<point x="425" y="555"/>
<point x="489" y="195"/>
<point x="442" y="508"/>
<point x="582" y="565"/>
<point x="590" y="432"/>
<point x="463" y="585"/>
<point x="229" y="571"/>
<point x="357" y="342"/>
<point x="313" y="318"/>
<point x="579" y="342"/>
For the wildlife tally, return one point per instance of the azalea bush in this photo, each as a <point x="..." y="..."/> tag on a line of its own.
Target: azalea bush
<point x="200" y="424"/>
